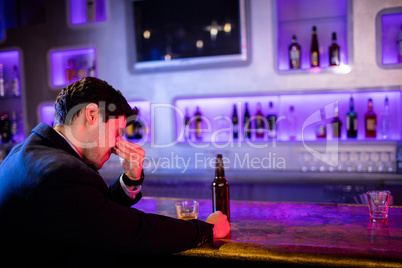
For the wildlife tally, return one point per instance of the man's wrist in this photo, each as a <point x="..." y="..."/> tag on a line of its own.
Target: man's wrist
<point x="129" y="182"/>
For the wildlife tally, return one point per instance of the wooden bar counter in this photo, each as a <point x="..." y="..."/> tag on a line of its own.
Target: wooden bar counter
<point x="298" y="234"/>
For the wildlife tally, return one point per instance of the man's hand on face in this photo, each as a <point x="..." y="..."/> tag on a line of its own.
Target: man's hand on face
<point x="132" y="156"/>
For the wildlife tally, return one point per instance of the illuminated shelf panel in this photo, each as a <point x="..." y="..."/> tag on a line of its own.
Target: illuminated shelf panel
<point x="46" y="115"/>
<point x="11" y="91"/>
<point x="297" y="17"/>
<point x="388" y="29"/>
<point x="69" y="65"/>
<point x="217" y="113"/>
<point x="87" y="11"/>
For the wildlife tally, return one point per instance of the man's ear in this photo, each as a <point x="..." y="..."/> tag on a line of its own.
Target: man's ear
<point x="92" y="113"/>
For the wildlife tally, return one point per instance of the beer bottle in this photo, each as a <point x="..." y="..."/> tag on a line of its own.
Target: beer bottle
<point x="220" y="189"/>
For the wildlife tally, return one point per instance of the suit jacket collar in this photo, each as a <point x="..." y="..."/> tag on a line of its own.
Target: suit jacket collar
<point x="50" y="134"/>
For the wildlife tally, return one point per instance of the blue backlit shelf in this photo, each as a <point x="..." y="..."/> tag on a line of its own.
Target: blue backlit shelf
<point x="297" y="17"/>
<point x="388" y="26"/>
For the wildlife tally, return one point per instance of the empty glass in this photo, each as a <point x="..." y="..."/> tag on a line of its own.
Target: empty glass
<point x="378" y="202"/>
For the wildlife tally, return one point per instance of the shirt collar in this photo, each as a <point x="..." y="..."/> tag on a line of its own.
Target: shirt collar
<point x="72" y="146"/>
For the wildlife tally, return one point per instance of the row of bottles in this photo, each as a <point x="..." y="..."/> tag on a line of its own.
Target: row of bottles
<point x="9" y="87"/>
<point x="11" y="128"/>
<point x="75" y="71"/>
<point x="267" y="127"/>
<point x="257" y="125"/>
<point x="370" y="122"/>
<point x="295" y="52"/>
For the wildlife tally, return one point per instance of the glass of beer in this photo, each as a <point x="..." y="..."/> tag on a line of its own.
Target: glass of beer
<point x="187" y="210"/>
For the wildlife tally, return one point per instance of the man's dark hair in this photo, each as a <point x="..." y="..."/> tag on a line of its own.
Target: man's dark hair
<point x="74" y="97"/>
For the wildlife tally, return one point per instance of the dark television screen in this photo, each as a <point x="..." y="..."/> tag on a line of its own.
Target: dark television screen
<point x="188" y="32"/>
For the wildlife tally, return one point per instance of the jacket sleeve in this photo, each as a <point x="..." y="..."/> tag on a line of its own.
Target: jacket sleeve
<point x="79" y="212"/>
<point x="119" y="196"/>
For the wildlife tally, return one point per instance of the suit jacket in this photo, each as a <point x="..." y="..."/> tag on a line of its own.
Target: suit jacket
<point x="56" y="209"/>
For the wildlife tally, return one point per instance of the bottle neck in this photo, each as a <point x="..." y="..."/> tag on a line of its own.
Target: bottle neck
<point x="351" y="106"/>
<point x="219" y="170"/>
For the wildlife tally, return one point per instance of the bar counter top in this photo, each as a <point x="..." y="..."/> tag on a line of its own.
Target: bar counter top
<point x="298" y="233"/>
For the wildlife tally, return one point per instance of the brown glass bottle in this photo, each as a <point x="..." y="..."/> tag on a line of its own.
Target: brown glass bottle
<point x="370" y="119"/>
<point x="198" y="121"/>
<point x="220" y="189"/>
<point x="314" y="52"/>
<point x="235" y="122"/>
<point x="334" y="54"/>
<point x="336" y="123"/>
<point x="294" y="54"/>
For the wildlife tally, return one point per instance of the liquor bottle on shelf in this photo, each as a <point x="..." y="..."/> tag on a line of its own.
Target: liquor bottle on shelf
<point x="400" y="46"/>
<point x="336" y="123"/>
<point x="220" y="189"/>
<point x="15" y="83"/>
<point x="135" y="131"/>
<point x="385" y="120"/>
<point x="235" y="122"/>
<point x="130" y="131"/>
<point x="314" y="51"/>
<point x="370" y="119"/>
<point x="247" y="123"/>
<point x="294" y="54"/>
<point x="5" y="128"/>
<point x="71" y="72"/>
<point x="198" y="121"/>
<point x="138" y="129"/>
<point x="259" y="122"/>
<point x="271" y="119"/>
<point x="321" y="130"/>
<point x="291" y="118"/>
<point x="14" y="125"/>
<point x="351" y="120"/>
<point x="92" y="69"/>
<point x="187" y="122"/>
<point x="334" y="52"/>
<point x="82" y="70"/>
<point x="91" y="10"/>
<point x="2" y="86"/>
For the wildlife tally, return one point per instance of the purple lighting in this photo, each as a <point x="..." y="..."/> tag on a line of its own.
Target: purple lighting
<point x="217" y="113"/>
<point x="297" y="17"/>
<point x="391" y="25"/>
<point x="59" y="63"/>
<point x="9" y="59"/>
<point x="81" y="14"/>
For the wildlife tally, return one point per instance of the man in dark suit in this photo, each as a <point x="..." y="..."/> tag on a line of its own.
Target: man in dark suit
<point x="56" y="209"/>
